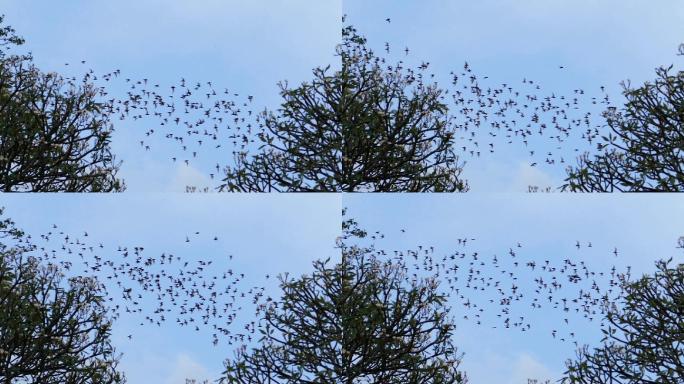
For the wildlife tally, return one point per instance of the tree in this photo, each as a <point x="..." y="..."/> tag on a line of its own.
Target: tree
<point x="364" y="127"/>
<point x="50" y="333"/>
<point x="644" y="340"/>
<point x="8" y="37"/>
<point x="643" y="151"/>
<point x="54" y="134"/>
<point x="357" y="321"/>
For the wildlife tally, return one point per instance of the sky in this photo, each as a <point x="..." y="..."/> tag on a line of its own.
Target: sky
<point x="597" y="43"/>
<point x="264" y="234"/>
<point x="244" y="46"/>
<point x="643" y="228"/>
<point x="272" y="234"/>
<point x="248" y="47"/>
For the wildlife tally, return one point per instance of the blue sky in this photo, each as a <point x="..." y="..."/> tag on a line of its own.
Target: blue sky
<point x="284" y="233"/>
<point x="245" y="46"/>
<point x="597" y="43"/>
<point x="644" y="228"/>
<point x="264" y="234"/>
<point x="248" y="46"/>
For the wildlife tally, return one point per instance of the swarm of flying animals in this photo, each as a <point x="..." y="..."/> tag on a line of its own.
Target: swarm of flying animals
<point x="189" y="291"/>
<point x="504" y="290"/>
<point x="501" y="290"/>
<point x="206" y="120"/>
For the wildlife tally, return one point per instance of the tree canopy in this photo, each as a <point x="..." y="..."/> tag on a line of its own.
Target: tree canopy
<point x="357" y="321"/>
<point x="644" y="149"/>
<point x="643" y="342"/>
<point x="50" y="332"/>
<point x="54" y="133"/>
<point x="362" y="127"/>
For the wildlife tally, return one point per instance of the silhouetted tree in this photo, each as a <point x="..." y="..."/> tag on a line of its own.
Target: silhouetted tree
<point x="357" y="321"/>
<point x="8" y="37"/>
<point x="644" y="342"/>
<point x="54" y="134"/>
<point x="644" y="150"/>
<point x="49" y="332"/>
<point x="363" y="127"/>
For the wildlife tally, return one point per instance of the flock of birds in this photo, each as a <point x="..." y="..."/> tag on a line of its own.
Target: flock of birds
<point x="211" y="294"/>
<point x="197" y="117"/>
<point x="189" y="291"/>
<point x="505" y="290"/>
<point x="203" y="119"/>
<point x="487" y="115"/>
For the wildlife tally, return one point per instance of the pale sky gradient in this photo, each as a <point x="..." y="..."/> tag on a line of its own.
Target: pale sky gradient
<point x="597" y="42"/>
<point x="265" y="234"/>
<point x="245" y="46"/>
<point x="279" y="233"/>
<point x="644" y="228"/>
<point x="248" y="46"/>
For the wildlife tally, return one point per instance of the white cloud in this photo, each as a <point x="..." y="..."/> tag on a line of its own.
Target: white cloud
<point x="187" y="368"/>
<point x="187" y="175"/>
<point x="508" y="368"/>
<point x="528" y="175"/>
<point x="527" y="367"/>
<point x="490" y="175"/>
